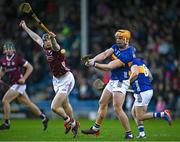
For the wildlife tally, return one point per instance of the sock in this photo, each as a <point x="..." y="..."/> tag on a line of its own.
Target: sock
<point x="42" y="116"/>
<point x="141" y="130"/>
<point x="73" y="124"/>
<point x="158" y="114"/>
<point x="67" y="119"/>
<point x="71" y="121"/>
<point x="96" y="127"/>
<point x="7" y="121"/>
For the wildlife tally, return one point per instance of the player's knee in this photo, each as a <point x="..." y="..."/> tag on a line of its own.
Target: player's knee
<point x="102" y="104"/>
<point x="54" y="108"/>
<point x="5" y="101"/>
<point x="117" y="107"/>
<point x="139" y="117"/>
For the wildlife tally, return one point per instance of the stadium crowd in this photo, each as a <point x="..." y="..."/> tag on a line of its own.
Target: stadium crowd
<point x="155" y="28"/>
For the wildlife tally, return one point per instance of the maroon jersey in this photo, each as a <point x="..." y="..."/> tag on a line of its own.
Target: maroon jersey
<point x="56" y="61"/>
<point x="13" y="67"/>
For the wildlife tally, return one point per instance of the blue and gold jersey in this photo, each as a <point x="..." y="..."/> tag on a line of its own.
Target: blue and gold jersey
<point x="126" y="56"/>
<point x="143" y="82"/>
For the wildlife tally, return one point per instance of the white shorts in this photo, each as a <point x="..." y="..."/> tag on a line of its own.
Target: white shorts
<point x="19" y="88"/>
<point x="64" y="84"/>
<point x="143" y="98"/>
<point x="116" y="85"/>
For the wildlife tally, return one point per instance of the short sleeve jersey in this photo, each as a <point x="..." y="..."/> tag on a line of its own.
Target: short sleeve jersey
<point x="126" y="56"/>
<point x="13" y="67"/>
<point x="142" y="83"/>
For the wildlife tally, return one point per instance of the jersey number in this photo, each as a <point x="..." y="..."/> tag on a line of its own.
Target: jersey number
<point x="137" y="85"/>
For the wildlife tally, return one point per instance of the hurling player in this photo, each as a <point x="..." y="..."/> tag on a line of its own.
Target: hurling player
<point x="12" y="65"/>
<point x="122" y="54"/>
<point x="63" y="79"/>
<point x="140" y="79"/>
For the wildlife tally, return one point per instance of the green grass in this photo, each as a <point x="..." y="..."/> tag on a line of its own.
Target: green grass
<point x="111" y="130"/>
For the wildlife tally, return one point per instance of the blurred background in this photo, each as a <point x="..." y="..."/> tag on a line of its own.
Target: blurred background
<point x="88" y="26"/>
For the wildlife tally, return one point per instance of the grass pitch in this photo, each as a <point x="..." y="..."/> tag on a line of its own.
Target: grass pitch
<point x="111" y="130"/>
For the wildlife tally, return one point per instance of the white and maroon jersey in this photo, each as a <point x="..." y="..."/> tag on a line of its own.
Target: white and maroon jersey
<point x="56" y="61"/>
<point x="13" y="67"/>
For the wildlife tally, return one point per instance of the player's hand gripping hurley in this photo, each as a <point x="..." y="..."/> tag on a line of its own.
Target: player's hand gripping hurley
<point x="26" y="8"/>
<point x="85" y="59"/>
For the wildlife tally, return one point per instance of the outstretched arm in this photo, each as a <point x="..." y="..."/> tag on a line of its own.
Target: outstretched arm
<point x="102" y="56"/>
<point x="32" y="34"/>
<point x="110" y="66"/>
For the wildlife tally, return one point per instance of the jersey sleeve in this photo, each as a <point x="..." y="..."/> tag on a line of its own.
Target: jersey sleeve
<point x="21" y="61"/>
<point x="114" y="47"/>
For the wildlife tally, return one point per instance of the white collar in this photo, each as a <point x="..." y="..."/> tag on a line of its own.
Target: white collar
<point x="7" y="58"/>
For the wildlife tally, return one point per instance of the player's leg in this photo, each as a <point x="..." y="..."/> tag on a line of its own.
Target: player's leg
<point x="134" y="114"/>
<point x="73" y="124"/>
<point x="69" y="111"/>
<point x="103" y="106"/>
<point x="143" y="99"/>
<point x="60" y="104"/>
<point x="25" y="100"/>
<point x="62" y="86"/>
<point x="8" y="97"/>
<point x="68" y="108"/>
<point x="57" y="107"/>
<point x="164" y="114"/>
<point x="118" y="101"/>
<point x="140" y="108"/>
<point x="140" y="111"/>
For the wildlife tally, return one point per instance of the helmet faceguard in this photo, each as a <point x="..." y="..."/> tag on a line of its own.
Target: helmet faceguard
<point x="9" y="46"/>
<point x="45" y="37"/>
<point x="46" y="40"/>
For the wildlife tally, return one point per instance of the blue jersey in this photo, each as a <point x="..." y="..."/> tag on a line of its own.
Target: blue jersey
<point x="126" y="56"/>
<point x="143" y="82"/>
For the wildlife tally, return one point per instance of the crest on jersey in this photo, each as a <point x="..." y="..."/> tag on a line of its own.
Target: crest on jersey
<point x="49" y="52"/>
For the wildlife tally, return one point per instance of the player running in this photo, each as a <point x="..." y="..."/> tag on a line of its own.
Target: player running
<point x="63" y="79"/>
<point x="141" y="84"/>
<point x="12" y="66"/>
<point x="122" y="54"/>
